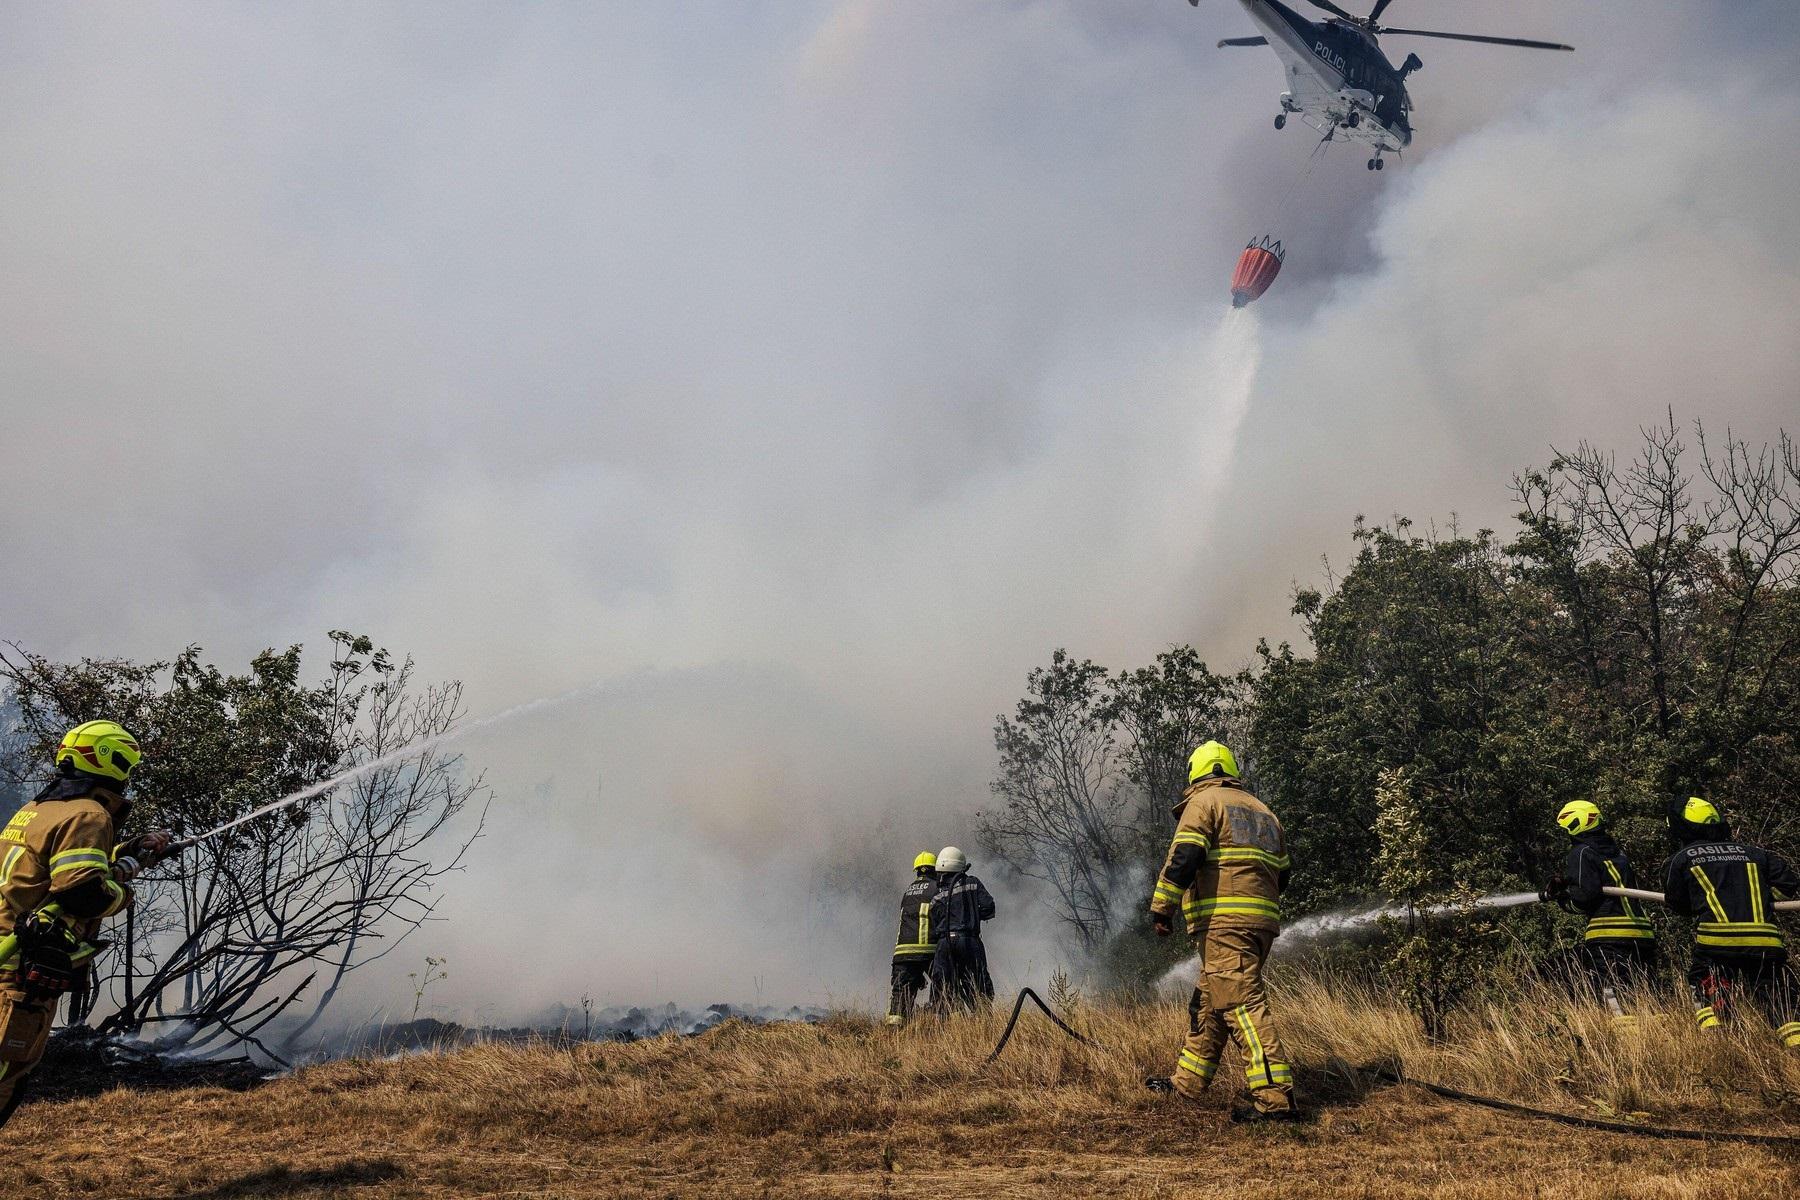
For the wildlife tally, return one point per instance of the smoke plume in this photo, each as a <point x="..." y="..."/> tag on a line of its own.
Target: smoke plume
<point x="806" y="372"/>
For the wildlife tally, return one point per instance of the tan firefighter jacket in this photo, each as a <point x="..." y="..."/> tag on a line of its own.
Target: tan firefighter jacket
<point x="1228" y="862"/>
<point x="62" y="851"/>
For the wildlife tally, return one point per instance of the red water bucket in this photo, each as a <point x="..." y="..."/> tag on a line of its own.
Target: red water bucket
<point x="1257" y="267"/>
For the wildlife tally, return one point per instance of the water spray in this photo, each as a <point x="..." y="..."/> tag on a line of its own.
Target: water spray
<point x="389" y="759"/>
<point x="10" y="942"/>
<point x="1334" y="924"/>
<point x="1328" y="924"/>
<point x="1342" y="921"/>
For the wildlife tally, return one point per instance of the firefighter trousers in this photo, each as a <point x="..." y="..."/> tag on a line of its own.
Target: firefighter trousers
<point x="24" y="1031"/>
<point x="910" y="977"/>
<point x="1721" y="981"/>
<point x="1230" y="1003"/>
<point x="959" y="974"/>
<point x="1616" y="967"/>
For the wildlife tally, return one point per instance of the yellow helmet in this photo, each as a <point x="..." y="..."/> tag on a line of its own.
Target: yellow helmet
<point x="103" y="748"/>
<point x="1211" y="758"/>
<point x="1578" y="816"/>
<point x="1701" y="812"/>
<point x="927" y="859"/>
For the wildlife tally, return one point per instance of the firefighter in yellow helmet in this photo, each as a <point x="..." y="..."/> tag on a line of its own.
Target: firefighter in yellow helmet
<point x="1618" y="947"/>
<point x="1225" y="871"/>
<point x="916" y="943"/>
<point x="1730" y="888"/>
<point x="61" y="874"/>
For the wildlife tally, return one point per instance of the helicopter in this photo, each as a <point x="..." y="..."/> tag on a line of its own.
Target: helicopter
<point x="1339" y="81"/>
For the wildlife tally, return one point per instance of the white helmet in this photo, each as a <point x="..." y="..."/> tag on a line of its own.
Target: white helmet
<point x="952" y="861"/>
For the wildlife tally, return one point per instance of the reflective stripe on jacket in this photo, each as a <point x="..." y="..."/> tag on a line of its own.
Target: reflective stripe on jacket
<point x="1731" y="888"/>
<point x="1227" y="863"/>
<point x="1596" y="861"/>
<point x="51" y="848"/>
<point x="916" y="938"/>
<point x="960" y="905"/>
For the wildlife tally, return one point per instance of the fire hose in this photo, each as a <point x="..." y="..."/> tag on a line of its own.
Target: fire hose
<point x="1018" y="1005"/>
<point x="1398" y="1075"/>
<point x="1658" y="898"/>
<point x="1784" y="1141"/>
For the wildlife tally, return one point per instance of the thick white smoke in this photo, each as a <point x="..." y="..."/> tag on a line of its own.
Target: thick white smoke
<point x="808" y="372"/>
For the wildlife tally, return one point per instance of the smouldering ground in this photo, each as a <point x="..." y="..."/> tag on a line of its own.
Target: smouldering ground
<point x="849" y="1109"/>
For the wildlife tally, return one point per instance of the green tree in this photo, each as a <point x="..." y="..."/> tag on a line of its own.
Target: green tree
<point x="229" y="938"/>
<point x="1090" y="764"/>
<point x="1671" y="620"/>
<point x="1065" y="809"/>
<point x="1415" y="665"/>
<point x="1441" y="948"/>
<point x="1638" y="639"/>
<point x="1161" y="712"/>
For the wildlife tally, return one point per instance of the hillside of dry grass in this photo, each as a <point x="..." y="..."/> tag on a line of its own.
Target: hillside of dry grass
<point x="851" y="1109"/>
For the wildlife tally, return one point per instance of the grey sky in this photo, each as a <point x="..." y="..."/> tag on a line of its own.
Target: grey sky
<point x="816" y="368"/>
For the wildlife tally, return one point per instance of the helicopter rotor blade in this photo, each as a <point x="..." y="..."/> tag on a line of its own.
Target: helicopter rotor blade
<point x="1476" y="37"/>
<point x="1329" y="7"/>
<point x="1380" y="7"/>
<point x="1249" y="41"/>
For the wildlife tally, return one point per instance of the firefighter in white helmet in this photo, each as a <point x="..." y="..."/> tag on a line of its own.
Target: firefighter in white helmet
<point x="959" y="969"/>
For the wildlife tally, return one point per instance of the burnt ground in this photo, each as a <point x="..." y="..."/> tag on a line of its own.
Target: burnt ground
<point x="80" y="1063"/>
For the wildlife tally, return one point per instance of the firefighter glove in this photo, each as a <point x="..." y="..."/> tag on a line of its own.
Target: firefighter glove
<point x="151" y="848"/>
<point x="1161" y="923"/>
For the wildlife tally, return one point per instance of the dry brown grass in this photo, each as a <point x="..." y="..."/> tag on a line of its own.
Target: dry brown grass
<point x="850" y="1109"/>
<point x="1543" y="1048"/>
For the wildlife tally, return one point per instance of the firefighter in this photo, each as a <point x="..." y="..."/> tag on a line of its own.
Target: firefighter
<point x="917" y="941"/>
<point x="1225" y="870"/>
<point x="1618" y="948"/>
<point x="1728" y="887"/>
<point x="959" y="968"/>
<point x="60" y="875"/>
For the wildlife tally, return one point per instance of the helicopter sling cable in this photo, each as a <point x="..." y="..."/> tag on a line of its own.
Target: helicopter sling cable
<point x="1261" y="260"/>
